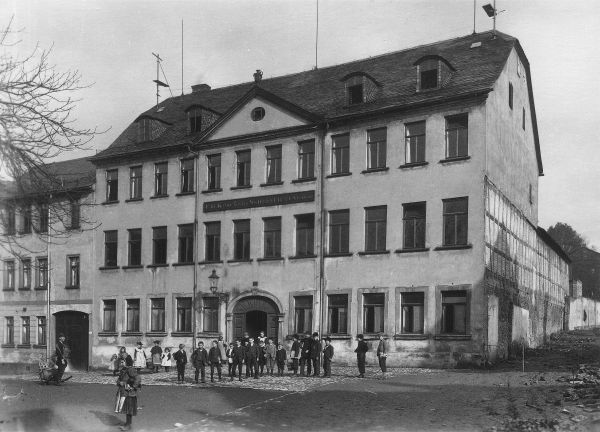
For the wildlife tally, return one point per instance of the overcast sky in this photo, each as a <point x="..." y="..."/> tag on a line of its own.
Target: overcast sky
<point x="111" y="44"/>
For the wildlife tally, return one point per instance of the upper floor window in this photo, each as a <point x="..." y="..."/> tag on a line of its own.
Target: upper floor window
<point x="26" y="218"/>
<point x="9" y="275"/>
<point x="241" y="239"/>
<point x="25" y="273"/>
<point x="457" y="136"/>
<point x="243" y="167"/>
<point x="161" y="172"/>
<point x="212" y="250"/>
<point x="186" y="243"/>
<point x="112" y="185"/>
<point x="214" y="171"/>
<point x="272" y="232"/>
<point x="456" y="221"/>
<point x="134" y="247"/>
<point x="414" y="225"/>
<point x="340" y="154"/>
<point x="42" y="273"/>
<point x="339" y="231"/>
<point x="257" y="114"/>
<point x="75" y="214"/>
<point x="510" y="95"/>
<point x="73" y="271"/>
<point x="110" y="248"/>
<point x="195" y="120"/>
<point x="10" y="221"/>
<point x="274" y="164"/>
<point x="376" y="148"/>
<point x="415" y="142"/>
<point x="375" y="228"/>
<point x="187" y="175"/>
<point x="135" y="182"/>
<point x="43" y="217"/>
<point x="305" y="235"/>
<point x="306" y="159"/>
<point x="159" y="245"/>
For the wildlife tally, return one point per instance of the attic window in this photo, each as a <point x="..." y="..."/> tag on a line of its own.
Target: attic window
<point x="433" y="72"/>
<point x="257" y="114"/>
<point x="428" y="74"/>
<point x="195" y="119"/>
<point x="360" y="87"/>
<point x="144" y="130"/>
<point x="355" y="94"/>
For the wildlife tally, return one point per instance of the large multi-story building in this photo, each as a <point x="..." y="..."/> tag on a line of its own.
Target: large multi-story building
<point x="395" y="194"/>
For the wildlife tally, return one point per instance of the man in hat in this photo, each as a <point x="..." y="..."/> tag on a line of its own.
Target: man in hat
<point x="60" y="358"/>
<point x="327" y="357"/>
<point x="295" y="354"/>
<point x="315" y="353"/>
<point x="382" y="350"/>
<point x="361" y="355"/>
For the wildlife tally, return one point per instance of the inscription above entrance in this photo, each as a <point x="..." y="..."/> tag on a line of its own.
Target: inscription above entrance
<point x="260" y="201"/>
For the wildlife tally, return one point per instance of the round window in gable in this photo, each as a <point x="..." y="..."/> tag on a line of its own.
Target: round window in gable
<point x="257" y="114"/>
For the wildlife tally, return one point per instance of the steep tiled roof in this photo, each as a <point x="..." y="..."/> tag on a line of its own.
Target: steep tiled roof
<point x="321" y="91"/>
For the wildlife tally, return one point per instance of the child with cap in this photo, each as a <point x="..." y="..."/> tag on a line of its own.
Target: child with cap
<point x="327" y="357"/>
<point x="180" y="357"/>
<point x="361" y="355"/>
<point x="280" y="357"/>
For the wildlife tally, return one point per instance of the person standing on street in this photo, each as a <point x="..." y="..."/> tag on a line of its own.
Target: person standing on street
<point x="252" y="353"/>
<point x="139" y="357"/>
<point x="199" y="360"/>
<point x="156" y="354"/>
<point x="270" y="352"/>
<point x="361" y="355"/>
<point x="238" y="355"/>
<point x="315" y="353"/>
<point x="280" y="356"/>
<point x="180" y="357"/>
<point x="60" y="358"/>
<point x="214" y="358"/>
<point x="295" y="354"/>
<point x="222" y="345"/>
<point x="327" y="358"/>
<point x="129" y="383"/>
<point x="305" y="357"/>
<point x="382" y="350"/>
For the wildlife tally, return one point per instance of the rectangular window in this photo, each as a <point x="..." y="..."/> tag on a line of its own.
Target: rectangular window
<point x="510" y="95"/>
<point x="303" y="311"/>
<point x="340" y="154"/>
<point x="75" y="214"/>
<point x="195" y="119"/>
<point x="25" y="331"/>
<point x="161" y="173"/>
<point x="375" y="228"/>
<point x="10" y="331"/>
<point x="355" y="94"/>
<point x="184" y="314"/>
<point x="272" y="230"/>
<point x="376" y="148"/>
<point x="25" y="273"/>
<point x="73" y="279"/>
<point x="241" y="239"/>
<point x="133" y="315"/>
<point x="112" y="185"/>
<point x="243" y="167"/>
<point x="274" y="164"/>
<point x="44" y="216"/>
<point x="455" y="221"/>
<point x="413" y="312"/>
<point x="210" y="314"/>
<point x="187" y="175"/>
<point x="523" y="119"/>
<point x="135" y="182"/>
<point x="454" y="312"/>
<point x="159" y="245"/>
<point x="26" y="217"/>
<point x="42" y="273"/>
<point x="9" y="275"/>
<point x="110" y="248"/>
<point x="457" y="136"/>
<point x="305" y="235"/>
<point x="337" y="314"/>
<point x="339" y="231"/>
<point x="214" y="171"/>
<point x="144" y="129"/>
<point x="306" y="159"/>
<point x="134" y="247"/>
<point x="415" y="142"/>
<point x="213" y="241"/>
<point x="157" y="315"/>
<point x="10" y="223"/>
<point x="186" y="243"/>
<point x="428" y="71"/>
<point x="414" y="225"/>
<point x="109" y="316"/>
<point x="41" y="331"/>
<point x="373" y="312"/>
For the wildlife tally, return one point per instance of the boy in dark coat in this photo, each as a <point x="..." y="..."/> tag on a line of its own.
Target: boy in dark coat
<point x="305" y="357"/>
<point x="280" y="357"/>
<point x="200" y="361"/>
<point x="315" y="353"/>
<point x="361" y="355"/>
<point x="295" y="354"/>
<point x="327" y="357"/>
<point x="214" y="358"/>
<point x="238" y="355"/>
<point x="252" y="352"/>
<point x="382" y="350"/>
<point x="180" y="357"/>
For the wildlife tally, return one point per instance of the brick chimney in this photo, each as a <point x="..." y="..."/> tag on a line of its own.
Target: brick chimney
<point x="258" y="76"/>
<point x="198" y="88"/>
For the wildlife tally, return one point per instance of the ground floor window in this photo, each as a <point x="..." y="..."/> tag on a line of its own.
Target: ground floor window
<point x="337" y="314"/>
<point x="133" y="315"/>
<point x="454" y="312"/>
<point x="10" y="331"/>
<point x="157" y="315"/>
<point x="413" y="307"/>
<point x="184" y="314"/>
<point x="303" y="310"/>
<point x="25" y="331"/>
<point x="210" y="314"/>
<point x="109" y="316"/>
<point x="373" y="312"/>
<point x="41" y="333"/>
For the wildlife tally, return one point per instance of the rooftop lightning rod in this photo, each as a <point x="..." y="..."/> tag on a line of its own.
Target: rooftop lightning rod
<point x="492" y="12"/>
<point x="158" y="82"/>
<point x="317" y="39"/>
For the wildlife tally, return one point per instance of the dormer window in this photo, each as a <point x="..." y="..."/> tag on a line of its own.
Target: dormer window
<point x="429" y="74"/>
<point x="432" y="72"/>
<point x="355" y="94"/>
<point x="144" y="130"/>
<point x="195" y="120"/>
<point x="360" y="88"/>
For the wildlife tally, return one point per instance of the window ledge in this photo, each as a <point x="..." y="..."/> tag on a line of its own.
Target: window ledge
<point x="182" y="334"/>
<point x="7" y="346"/>
<point x="210" y="262"/>
<point x="134" y="200"/>
<point x="40" y="288"/>
<point x="72" y="287"/>
<point x="8" y="289"/>
<point x="209" y="334"/>
<point x="133" y="267"/>
<point x="25" y="289"/>
<point x="110" y="202"/>
<point x="185" y="193"/>
<point x="413" y="165"/>
<point x="374" y="170"/>
<point x="298" y="257"/>
<point x="279" y="183"/>
<point x="183" y="264"/>
<point x="304" y="180"/>
<point x="457" y="247"/>
<point x="383" y="252"/>
<point x="370" y="336"/>
<point x="39" y="346"/>
<point x="132" y="333"/>
<point x="401" y="251"/>
<point x="343" y="174"/>
<point x="411" y="336"/>
<point x="108" y="333"/>
<point x="337" y="255"/>
<point x="159" y="196"/>
<point x="156" y="334"/>
<point x="339" y="336"/>
<point x="241" y="187"/>
<point x="209" y="191"/>
<point x="109" y="268"/>
<point x="458" y="337"/>
<point x="270" y="259"/>
<point x="157" y="265"/>
<point x="24" y="346"/>
<point x="240" y="261"/>
<point x="455" y="159"/>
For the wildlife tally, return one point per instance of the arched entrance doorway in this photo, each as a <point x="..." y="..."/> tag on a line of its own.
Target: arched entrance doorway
<point x="75" y="326"/>
<point x="255" y="314"/>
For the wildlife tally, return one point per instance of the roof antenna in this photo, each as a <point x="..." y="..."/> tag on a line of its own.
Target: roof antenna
<point x="317" y="39"/>
<point x="492" y="12"/>
<point x="158" y="82"/>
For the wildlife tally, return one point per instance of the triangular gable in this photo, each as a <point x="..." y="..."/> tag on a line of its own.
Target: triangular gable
<point x="279" y="114"/>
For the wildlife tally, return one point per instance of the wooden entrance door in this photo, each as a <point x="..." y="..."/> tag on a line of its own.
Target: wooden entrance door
<point x="75" y="327"/>
<point x="253" y="314"/>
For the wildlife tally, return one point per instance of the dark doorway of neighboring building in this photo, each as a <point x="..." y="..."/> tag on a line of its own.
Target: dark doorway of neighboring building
<point x="75" y="327"/>
<point x="256" y="321"/>
<point x="255" y="314"/>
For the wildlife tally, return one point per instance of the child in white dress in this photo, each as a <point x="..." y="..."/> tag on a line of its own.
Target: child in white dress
<point x="139" y="357"/>
<point x="166" y="359"/>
